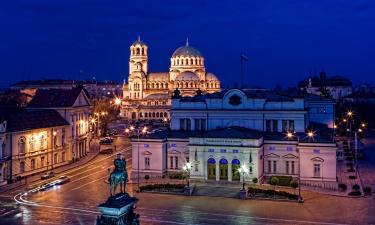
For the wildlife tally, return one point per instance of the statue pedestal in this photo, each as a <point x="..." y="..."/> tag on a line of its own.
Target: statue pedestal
<point x="118" y="210"/>
<point x="243" y="194"/>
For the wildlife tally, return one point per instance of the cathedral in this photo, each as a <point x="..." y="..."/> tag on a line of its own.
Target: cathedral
<point x="147" y="95"/>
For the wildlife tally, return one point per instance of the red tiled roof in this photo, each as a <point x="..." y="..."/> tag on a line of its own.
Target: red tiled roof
<point x="55" y="98"/>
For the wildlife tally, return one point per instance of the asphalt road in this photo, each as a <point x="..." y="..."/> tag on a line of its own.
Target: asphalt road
<point x="76" y="202"/>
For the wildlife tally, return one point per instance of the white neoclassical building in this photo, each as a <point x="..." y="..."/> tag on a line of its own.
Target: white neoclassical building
<point x="147" y="94"/>
<point x="217" y="133"/>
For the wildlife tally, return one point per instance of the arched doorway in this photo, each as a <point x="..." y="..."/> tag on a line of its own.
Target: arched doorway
<point x="235" y="166"/>
<point x="223" y="169"/>
<point x="211" y="169"/>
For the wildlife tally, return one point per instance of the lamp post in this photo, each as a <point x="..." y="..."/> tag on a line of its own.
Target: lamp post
<point x="243" y="169"/>
<point x="54" y="133"/>
<point x="187" y="169"/>
<point x="138" y="132"/>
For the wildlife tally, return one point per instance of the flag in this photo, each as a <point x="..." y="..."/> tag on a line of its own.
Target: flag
<point x="244" y="57"/>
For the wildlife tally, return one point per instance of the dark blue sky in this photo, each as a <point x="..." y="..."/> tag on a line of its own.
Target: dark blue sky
<point x="284" y="40"/>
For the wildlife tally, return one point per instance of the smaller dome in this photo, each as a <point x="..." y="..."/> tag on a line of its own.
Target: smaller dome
<point x="139" y="42"/>
<point x="211" y="77"/>
<point x="187" y="51"/>
<point x="187" y="76"/>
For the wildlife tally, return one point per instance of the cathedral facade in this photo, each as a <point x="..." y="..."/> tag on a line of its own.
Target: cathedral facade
<point x="147" y="95"/>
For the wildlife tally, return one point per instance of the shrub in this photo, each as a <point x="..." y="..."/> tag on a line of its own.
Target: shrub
<point x="147" y="177"/>
<point x="351" y="169"/>
<point x="179" y="176"/>
<point x="151" y="187"/>
<point x="294" y="184"/>
<point x="342" y="187"/>
<point x="355" y="187"/>
<point x="367" y="190"/>
<point x="274" y="180"/>
<point x="352" y="177"/>
<point x="255" y="180"/>
<point x="349" y="164"/>
<point x="272" y="193"/>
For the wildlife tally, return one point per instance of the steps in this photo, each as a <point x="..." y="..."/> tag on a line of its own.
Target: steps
<point x="217" y="191"/>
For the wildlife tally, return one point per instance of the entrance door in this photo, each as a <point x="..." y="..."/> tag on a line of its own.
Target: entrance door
<point x="211" y="169"/>
<point x="235" y="167"/>
<point x="134" y="115"/>
<point x="223" y="169"/>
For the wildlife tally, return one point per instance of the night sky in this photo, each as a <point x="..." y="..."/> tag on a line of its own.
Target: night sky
<point x="285" y="40"/>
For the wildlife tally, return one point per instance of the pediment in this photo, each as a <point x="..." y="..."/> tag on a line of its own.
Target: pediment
<point x="186" y="152"/>
<point x="290" y="156"/>
<point x="146" y="153"/>
<point x="81" y="100"/>
<point x="174" y="152"/>
<point x="272" y="155"/>
<point x="317" y="159"/>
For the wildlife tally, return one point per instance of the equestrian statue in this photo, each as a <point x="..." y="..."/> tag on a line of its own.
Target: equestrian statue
<point x="118" y="176"/>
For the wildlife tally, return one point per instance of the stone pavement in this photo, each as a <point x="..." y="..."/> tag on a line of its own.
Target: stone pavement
<point x="367" y="166"/>
<point x="94" y="151"/>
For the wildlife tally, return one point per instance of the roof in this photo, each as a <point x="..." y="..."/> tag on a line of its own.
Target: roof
<point x="30" y="120"/>
<point x="187" y="76"/>
<point x="156" y="96"/>
<point x="55" y="98"/>
<point x="157" y="77"/>
<point x="187" y="50"/>
<point x="334" y="81"/>
<point x="231" y="132"/>
<point x="211" y="77"/>
<point x="362" y="94"/>
<point x="60" y="82"/>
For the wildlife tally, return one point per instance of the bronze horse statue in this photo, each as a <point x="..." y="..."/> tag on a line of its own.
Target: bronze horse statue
<point x="118" y="176"/>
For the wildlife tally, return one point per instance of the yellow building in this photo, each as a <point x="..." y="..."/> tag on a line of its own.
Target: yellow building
<point x="147" y="95"/>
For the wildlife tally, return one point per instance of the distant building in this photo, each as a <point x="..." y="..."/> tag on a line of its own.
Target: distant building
<point x="220" y="132"/>
<point x="32" y="142"/>
<point x="364" y="94"/>
<point x="336" y="86"/>
<point x="74" y="106"/>
<point x="95" y="89"/>
<point x="147" y="94"/>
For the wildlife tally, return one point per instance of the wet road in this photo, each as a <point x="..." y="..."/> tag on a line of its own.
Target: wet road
<point x="76" y="201"/>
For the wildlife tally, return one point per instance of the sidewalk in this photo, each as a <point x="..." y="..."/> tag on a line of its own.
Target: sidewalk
<point x="91" y="155"/>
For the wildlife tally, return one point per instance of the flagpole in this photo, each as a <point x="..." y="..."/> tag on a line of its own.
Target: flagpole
<point x="241" y="86"/>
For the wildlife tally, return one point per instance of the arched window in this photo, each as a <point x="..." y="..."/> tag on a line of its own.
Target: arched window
<point x="191" y="85"/>
<point x="138" y="51"/>
<point x="22" y="145"/>
<point x="165" y="114"/>
<point x="186" y="62"/>
<point x="223" y="161"/>
<point x="191" y="61"/>
<point x="157" y="114"/>
<point x="42" y="142"/>
<point x="166" y="85"/>
<point x="143" y="51"/>
<point x="152" y="85"/>
<point x="196" y="61"/>
<point x="236" y="162"/>
<point x="153" y="115"/>
<point x="211" y="161"/>
<point x="178" y="85"/>
<point x="157" y="86"/>
<point x="186" y="85"/>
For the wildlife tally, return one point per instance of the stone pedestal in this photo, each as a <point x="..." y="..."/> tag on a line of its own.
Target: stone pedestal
<point x="243" y="194"/>
<point x="118" y="210"/>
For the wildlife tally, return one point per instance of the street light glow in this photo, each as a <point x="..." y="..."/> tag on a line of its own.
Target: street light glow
<point x="54" y="133"/>
<point x="289" y="135"/>
<point x="131" y="127"/>
<point x="117" y="101"/>
<point x="310" y="134"/>
<point x="344" y="120"/>
<point x="360" y="130"/>
<point x="93" y="120"/>
<point x="363" y="125"/>
<point x="127" y="130"/>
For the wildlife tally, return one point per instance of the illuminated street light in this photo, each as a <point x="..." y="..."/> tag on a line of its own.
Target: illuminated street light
<point x="310" y="134"/>
<point x="350" y="113"/>
<point x="187" y="169"/>
<point x="289" y="135"/>
<point x="344" y="120"/>
<point x="127" y="130"/>
<point x="54" y="133"/>
<point x="360" y="130"/>
<point x="243" y="169"/>
<point x="335" y="126"/>
<point x="363" y="125"/>
<point x="93" y="120"/>
<point x="117" y="101"/>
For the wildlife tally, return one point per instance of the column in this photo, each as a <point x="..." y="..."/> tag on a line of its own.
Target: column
<point x="217" y="170"/>
<point x="229" y="171"/>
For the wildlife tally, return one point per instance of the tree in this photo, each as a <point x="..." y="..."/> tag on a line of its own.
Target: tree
<point x="274" y="181"/>
<point x="255" y="180"/>
<point x="111" y="112"/>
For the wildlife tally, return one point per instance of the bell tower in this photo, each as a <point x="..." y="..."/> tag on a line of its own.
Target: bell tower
<point x="138" y="57"/>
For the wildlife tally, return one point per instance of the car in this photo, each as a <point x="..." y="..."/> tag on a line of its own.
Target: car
<point x="45" y="186"/>
<point x="47" y="175"/>
<point x="62" y="180"/>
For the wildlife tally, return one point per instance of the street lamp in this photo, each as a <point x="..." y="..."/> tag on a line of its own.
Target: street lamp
<point x="117" y="101"/>
<point x="54" y="133"/>
<point x="187" y="169"/>
<point x="310" y="134"/>
<point x="138" y="131"/>
<point x="243" y="169"/>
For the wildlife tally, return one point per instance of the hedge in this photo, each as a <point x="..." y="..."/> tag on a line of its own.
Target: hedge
<point x="367" y="190"/>
<point x="272" y="193"/>
<point x="151" y="187"/>
<point x="355" y="193"/>
<point x="283" y="180"/>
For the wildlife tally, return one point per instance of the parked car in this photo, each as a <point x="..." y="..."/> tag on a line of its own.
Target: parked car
<point x="106" y="140"/>
<point x="48" y="175"/>
<point x="62" y="180"/>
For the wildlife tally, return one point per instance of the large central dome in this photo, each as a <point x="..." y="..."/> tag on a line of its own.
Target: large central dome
<point x="187" y="51"/>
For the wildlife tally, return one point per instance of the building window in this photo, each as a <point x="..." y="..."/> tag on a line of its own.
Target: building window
<point x="274" y="166"/>
<point x="147" y="163"/>
<point x="55" y="158"/>
<point x="22" y="145"/>
<point x="268" y="126"/>
<point x="291" y="125"/>
<point x="187" y="159"/>
<point x="185" y="124"/>
<point x="200" y="124"/>
<point x="42" y="142"/>
<point x="42" y="161"/>
<point x="33" y="164"/>
<point x="287" y="167"/>
<point x="171" y="162"/>
<point x="195" y="155"/>
<point x="284" y="125"/>
<point x="317" y="170"/>
<point x="293" y="171"/>
<point x="22" y="167"/>
<point x="269" y="166"/>
<point x="275" y="127"/>
<point x="32" y="144"/>
<point x="63" y="157"/>
<point x="176" y="162"/>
